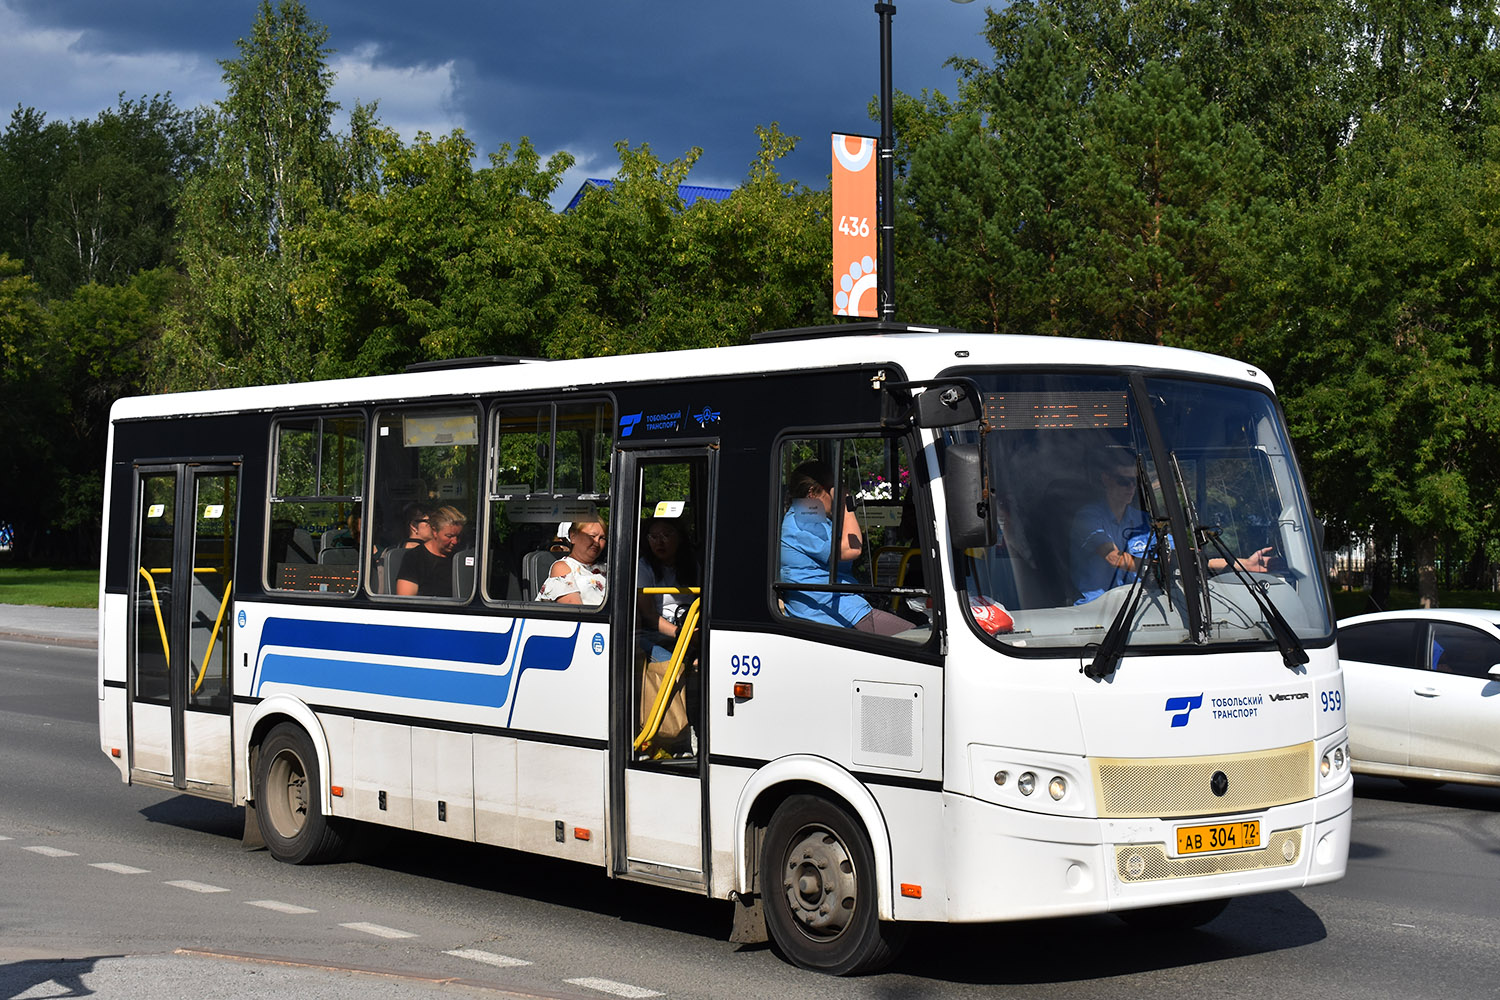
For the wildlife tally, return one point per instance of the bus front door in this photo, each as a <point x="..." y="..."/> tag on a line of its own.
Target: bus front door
<point x="180" y="649"/>
<point x="660" y="829"/>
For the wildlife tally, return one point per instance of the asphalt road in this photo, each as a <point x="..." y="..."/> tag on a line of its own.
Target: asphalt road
<point x="116" y="891"/>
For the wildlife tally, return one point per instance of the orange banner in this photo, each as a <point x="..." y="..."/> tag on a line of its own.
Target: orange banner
<point x="854" y="227"/>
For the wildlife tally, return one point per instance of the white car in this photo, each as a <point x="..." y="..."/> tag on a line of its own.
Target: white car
<point x="1422" y="694"/>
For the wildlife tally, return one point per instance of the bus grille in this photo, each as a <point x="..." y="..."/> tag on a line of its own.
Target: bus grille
<point x="1183" y="786"/>
<point x="1146" y="862"/>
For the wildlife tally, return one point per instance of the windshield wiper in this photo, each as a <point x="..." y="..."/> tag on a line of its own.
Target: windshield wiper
<point x="1292" y="653"/>
<point x="1190" y="514"/>
<point x="1107" y="658"/>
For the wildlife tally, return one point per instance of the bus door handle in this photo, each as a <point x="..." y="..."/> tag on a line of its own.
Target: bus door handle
<point x="1427" y="692"/>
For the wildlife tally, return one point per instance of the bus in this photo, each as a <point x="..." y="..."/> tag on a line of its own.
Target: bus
<point x="982" y="707"/>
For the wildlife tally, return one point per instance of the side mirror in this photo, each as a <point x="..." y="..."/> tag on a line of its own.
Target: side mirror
<point x="963" y="485"/>
<point x="946" y="406"/>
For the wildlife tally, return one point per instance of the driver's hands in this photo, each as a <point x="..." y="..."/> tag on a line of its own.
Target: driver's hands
<point x="1259" y="562"/>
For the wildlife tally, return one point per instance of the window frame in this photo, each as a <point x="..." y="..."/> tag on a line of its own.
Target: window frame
<point x="278" y="421"/>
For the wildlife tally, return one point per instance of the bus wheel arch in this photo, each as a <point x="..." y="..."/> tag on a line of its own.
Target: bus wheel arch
<point x="291" y="821"/>
<point x="271" y="713"/>
<point x="768" y="790"/>
<point x="819" y="889"/>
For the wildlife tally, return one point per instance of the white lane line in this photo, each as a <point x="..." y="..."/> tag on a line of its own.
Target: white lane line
<point x="119" y="869"/>
<point x="192" y="886"/>
<point x="378" y="930"/>
<point x="4" y="837"/>
<point x="487" y="957"/>
<point x="610" y="986"/>
<point x="279" y="907"/>
<point x="51" y="852"/>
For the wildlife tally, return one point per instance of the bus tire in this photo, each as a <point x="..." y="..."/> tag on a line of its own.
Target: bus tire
<point x="819" y="888"/>
<point x="287" y="801"/>
<point x="1175" y="916"/>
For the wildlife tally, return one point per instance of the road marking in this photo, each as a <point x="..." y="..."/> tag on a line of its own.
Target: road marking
<point x="609" y="986"/>
<point x="52" y="852"/>
<point x="119" y="869"/>
<point x="487" y="957"/>
<point x="192" y="886"/>
<point x="279" y="907"/>
<point x="378" y="930"/>
<point x="1407" y="926"/>
<point x="3" y="837"/>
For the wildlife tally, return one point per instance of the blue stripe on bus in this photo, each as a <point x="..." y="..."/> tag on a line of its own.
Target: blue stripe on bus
<point x="452" y="686"/>
<point x="390" y="640"/>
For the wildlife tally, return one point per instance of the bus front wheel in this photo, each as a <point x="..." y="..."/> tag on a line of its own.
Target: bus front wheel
<point x="819" y="890"/>
<point x="287" y="799"/>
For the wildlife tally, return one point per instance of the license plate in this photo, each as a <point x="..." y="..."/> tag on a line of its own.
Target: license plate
<point x="1218" y="837"/>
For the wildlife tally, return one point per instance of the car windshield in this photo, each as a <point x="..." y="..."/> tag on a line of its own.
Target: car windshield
<point x="1180" y="507"/>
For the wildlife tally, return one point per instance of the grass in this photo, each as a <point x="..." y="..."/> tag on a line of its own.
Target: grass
<point x="54" y="588"/>
<point x="1355" y="602"/>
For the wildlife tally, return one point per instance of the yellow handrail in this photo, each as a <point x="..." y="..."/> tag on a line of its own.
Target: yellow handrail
<point x="166" y="650"/>
<point x="673" y="674"/>
<point x="208" y="654"/>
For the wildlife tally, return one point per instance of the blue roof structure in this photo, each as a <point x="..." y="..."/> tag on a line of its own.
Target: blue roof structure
<point x="689" y="193"/>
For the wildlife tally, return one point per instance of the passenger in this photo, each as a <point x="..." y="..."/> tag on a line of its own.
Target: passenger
<point x="806" y="543"/>
<point x="418" y="524"/>
<point x="427" y="568"/>
<point x="666" y="561"/>
<point x="578" y="578"/>
<point x="1102" y="554"/>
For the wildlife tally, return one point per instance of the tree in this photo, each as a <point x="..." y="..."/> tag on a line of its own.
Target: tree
<point x="30" y="153"/>
<point x="1068" y="197"/>
<point x="649" y="273"/>
<point x="273" y="163"/>
<point x="433" y="259"/>
<point x="1389" y="343"/>
<point x="110" y="208"/>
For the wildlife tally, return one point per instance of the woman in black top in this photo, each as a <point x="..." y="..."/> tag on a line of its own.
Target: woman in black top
<point x="428" y="569"/>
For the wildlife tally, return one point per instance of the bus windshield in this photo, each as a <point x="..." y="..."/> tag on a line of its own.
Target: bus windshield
<point x="1170" y="495"/>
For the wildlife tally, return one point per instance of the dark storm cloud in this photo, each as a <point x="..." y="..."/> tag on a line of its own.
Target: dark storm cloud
<point x="576" y="76"/>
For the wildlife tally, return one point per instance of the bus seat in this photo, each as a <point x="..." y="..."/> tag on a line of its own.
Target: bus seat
<point x="339" y="557"/>
<point x="534" y="569"/>
<point x="390" y="565"/>
<point x="463" y="573"/>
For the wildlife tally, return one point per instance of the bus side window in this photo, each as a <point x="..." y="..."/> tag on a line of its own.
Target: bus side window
<point x="550" y="468"/>
<point x="426" y="491"/>
<point x="315" y="540"/>
<point x="849" y="502"/>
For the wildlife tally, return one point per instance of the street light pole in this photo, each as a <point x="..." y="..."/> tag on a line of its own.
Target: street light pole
<point x="885" y="270"/>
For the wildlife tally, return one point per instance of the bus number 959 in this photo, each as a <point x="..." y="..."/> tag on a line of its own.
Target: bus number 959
<point x="748" y="666"/>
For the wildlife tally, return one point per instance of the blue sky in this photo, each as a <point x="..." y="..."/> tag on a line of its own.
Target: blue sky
<point x="572" y="76"/>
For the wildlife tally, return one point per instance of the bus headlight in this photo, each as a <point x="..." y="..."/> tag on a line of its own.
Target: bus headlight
<point x="1057" y="787"/>
<point x="1026" y="782"/>
<point x="1325" y="766"/>
<point x="1338" y="758"/>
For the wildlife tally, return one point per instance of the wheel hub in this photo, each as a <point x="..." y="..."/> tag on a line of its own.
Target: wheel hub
<point x="820" y="883"/>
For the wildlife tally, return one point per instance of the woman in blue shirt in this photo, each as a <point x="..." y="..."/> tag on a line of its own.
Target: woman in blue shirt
<point x="806" y="544"/>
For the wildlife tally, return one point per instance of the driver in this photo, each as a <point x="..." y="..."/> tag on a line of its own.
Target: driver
<point x="1107" y="541"/>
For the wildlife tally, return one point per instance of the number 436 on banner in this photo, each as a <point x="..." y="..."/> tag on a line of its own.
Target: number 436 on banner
<point x="854" y="247"/>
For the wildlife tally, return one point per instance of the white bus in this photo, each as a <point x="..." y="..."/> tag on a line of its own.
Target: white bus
<point x="1075" y="654"/>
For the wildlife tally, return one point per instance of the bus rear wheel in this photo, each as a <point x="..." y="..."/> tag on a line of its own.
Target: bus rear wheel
<point x="818" y="882"/>
<point x="287" y="800"/>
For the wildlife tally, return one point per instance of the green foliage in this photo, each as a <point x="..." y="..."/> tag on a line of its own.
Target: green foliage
<point x="434" y="259"/>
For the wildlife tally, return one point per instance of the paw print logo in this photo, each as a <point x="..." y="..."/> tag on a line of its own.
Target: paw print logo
<point x="853" y="286"/>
